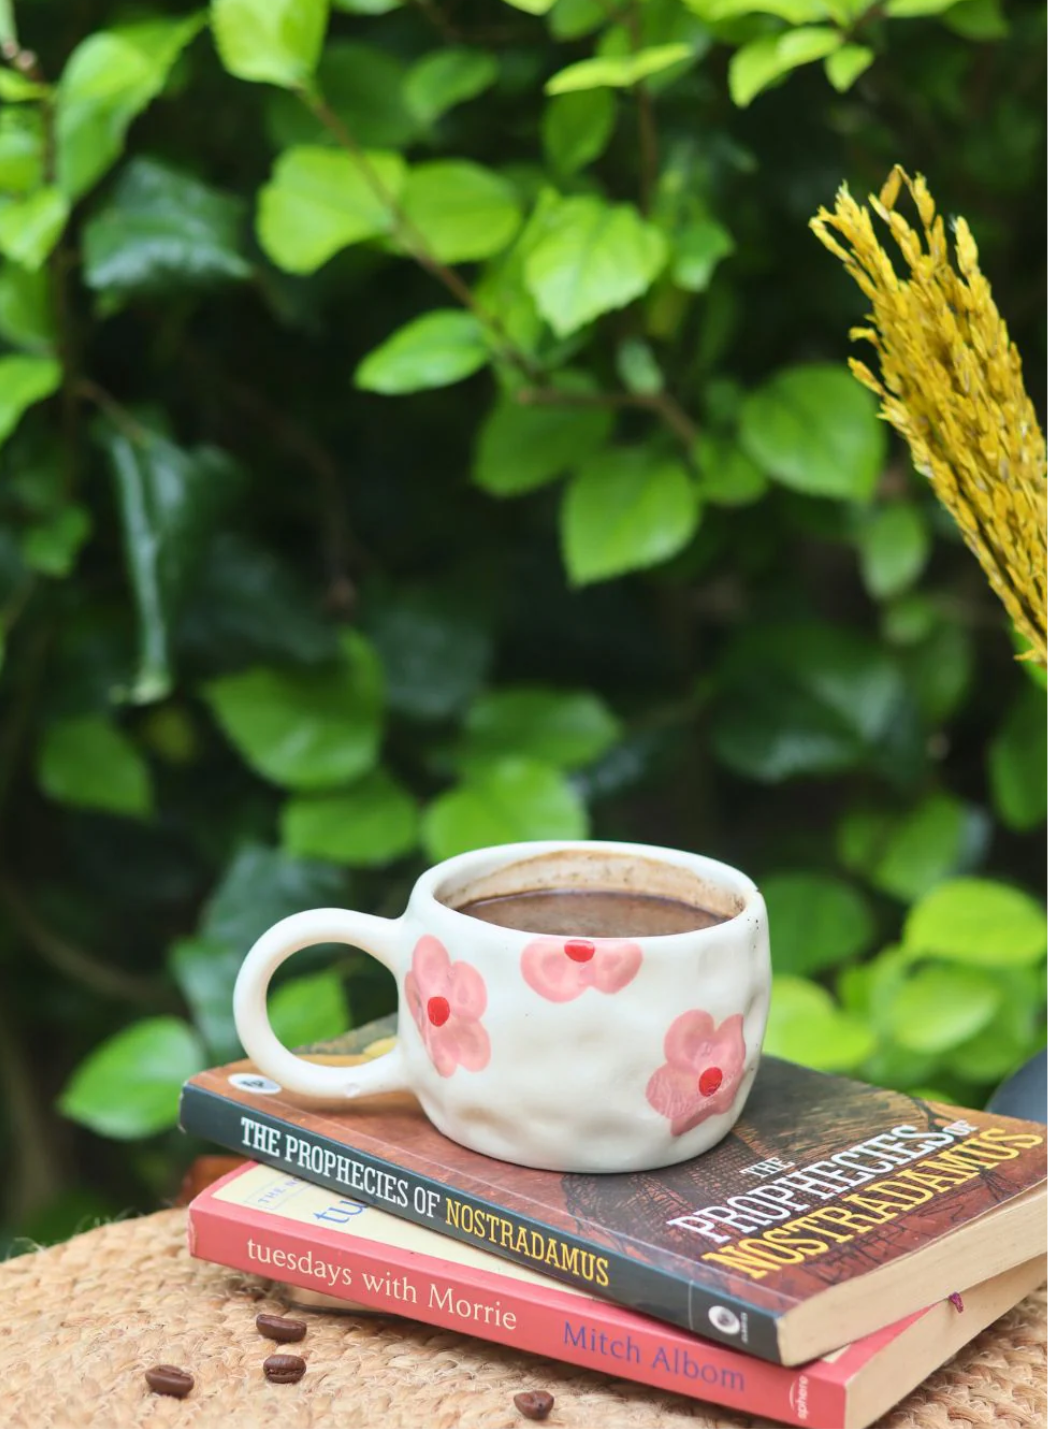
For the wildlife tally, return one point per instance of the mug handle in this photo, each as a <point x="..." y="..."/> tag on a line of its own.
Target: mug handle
<point x="381" y="937"/>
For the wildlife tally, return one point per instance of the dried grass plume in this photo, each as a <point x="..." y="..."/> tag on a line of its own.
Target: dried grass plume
<point x="951" y="384"/>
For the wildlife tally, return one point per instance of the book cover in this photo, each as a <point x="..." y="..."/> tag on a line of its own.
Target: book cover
<point x="832" y="1208"/>
<point x="267" y="1223"/>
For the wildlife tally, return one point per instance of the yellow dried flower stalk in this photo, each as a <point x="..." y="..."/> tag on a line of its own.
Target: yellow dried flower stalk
<point x="951" y="384"/>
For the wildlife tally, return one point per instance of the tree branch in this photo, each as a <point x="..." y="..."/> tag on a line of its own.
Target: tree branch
<point x="663" y="404"/>
<point x="414" y="241"/>
<point x="646" y="131"/>
<point x="74" y="962"/>
<point x="34" y="1177"/>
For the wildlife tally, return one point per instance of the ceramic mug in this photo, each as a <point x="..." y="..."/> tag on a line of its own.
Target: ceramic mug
<point x="562" y="1053"/>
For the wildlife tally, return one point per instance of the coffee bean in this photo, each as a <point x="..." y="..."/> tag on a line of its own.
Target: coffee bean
<point x="534" y="1403"/>
<point x="276" y="1327"/>
<point x="284" y="1369"/>
<point x="169" y="1379"/>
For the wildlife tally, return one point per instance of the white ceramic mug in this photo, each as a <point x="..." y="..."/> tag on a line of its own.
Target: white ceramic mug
<point x="564" y="1053"/>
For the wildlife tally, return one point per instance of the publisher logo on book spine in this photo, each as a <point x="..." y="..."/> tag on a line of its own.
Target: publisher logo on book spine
<point x="725" y="1320"/>
<point x="253" y="1082"/>
<point x="799" y="1396"/>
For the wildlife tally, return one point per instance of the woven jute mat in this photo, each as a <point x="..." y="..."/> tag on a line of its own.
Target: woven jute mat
<point x="80" y="1323"/>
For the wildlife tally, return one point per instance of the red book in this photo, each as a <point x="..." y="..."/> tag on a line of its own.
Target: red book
<point x="268" y="1223"/>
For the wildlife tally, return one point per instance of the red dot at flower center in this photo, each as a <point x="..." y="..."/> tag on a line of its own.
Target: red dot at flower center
<point x="579" y="950"/>
<point x="710" y="1081"/>
<point x="438" y="1009"/>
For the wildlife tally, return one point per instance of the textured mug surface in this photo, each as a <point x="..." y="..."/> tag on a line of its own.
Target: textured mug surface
<point x="571" y="1054"/>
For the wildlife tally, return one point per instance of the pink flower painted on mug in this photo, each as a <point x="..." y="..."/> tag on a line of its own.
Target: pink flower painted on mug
<point x="447" y="1001"/>
<point x="704" y="1066"/>
<point x="561" y="969"/>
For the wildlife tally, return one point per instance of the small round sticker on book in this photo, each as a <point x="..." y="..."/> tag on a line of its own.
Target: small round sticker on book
<point x="252" y="1082"/>
<point x="725" y="1320"/>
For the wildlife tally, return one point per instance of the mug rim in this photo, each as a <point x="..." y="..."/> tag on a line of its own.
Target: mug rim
<point x="712" y="870"/>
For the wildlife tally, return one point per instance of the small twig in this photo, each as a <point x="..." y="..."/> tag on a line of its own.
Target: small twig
<point x="117" y="414"/>
<point x="414" y="241"/>
<point x="661" y="403"/>
<point x="343" y="552"/>
<point x="646" y="130"/>
<point x="74" y="961"/>
<point x="34" y="1176"/>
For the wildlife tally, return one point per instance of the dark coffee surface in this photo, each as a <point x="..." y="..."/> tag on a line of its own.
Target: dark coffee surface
<point x="576" y="913"/>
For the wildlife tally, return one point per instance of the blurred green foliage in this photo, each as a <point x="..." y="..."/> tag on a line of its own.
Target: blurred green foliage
<point x="424" y="425"/>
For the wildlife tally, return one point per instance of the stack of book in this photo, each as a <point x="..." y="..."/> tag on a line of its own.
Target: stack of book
<point x="840" y="1244"/>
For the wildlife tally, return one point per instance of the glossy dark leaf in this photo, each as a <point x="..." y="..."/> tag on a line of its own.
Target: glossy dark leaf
<point x="169" y="499"/>
<point x="162" y="227"/>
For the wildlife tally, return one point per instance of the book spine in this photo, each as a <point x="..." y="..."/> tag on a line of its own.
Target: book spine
<point x="349" y="1172"/>
<point x="508" y="1312"/>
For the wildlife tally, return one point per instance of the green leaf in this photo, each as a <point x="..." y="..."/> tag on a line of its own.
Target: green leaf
<point x="523" y="446"/>
<point x="532" y="7"/>
<point x="169" y="501"/>
<point x="305" y="729"/>
<point x="910" y="9"/>
<point x="591" y="257"/>
<point x="794" y="12"/>
<point x="435" y="350"/>
<point x="905" y="856"/>
<point x="939" y="670"/>
<point x="435" y="648"/>
<point x="129" y="1086"/>
<point x="462" y="211"/>
<point x="973" y="920"/>
<point x="618" y="71"/>
<point x="998" y="1048"/>
<point x="638" y="367"/>
<point x="576" y="129"/>
<point x="571" y="19"/>
<point x="25" y="307"/>
<point x="363" y="86"/>
<point x="259" y="888"/>
<point x="625" y="510"/>
<point x="17" y="88"/>
<point x="516" y="799"/>
<point x="30" y="227"/>
<point x="817" y="921"/>
<point x="21" y="150"/>
<point x="765" y="61"/>
<point x="91" y="764"/>
<point x="566" y="729"/>
<point x="366" y="7"/>
<point x="698" y="247"/>
<point x="365" y="826"/>
<point x="977" y="20"/>
<point x="805" y="1025"/>
<point x="205" y="970"/>
<point x="108" y="80"/>
<point x="317" y="202"/>
<point x="163" y="229"/>
<point x="938" y="1007"/>
<point x="247" y="605"/>
<point x="51" y="546"/>
<point x="447" y="77"/>
<point x="727" y="476"/>
<point x="24" y="381"/>
<point x="309" y="1009"/>
<point x="803" y="699"/>
<point x="816" y="430"/>
<point x="894" y="546"/>
<point x="270" y="41"/>
<point x="845" y="66"/>
<point x="1018" y="763"/>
